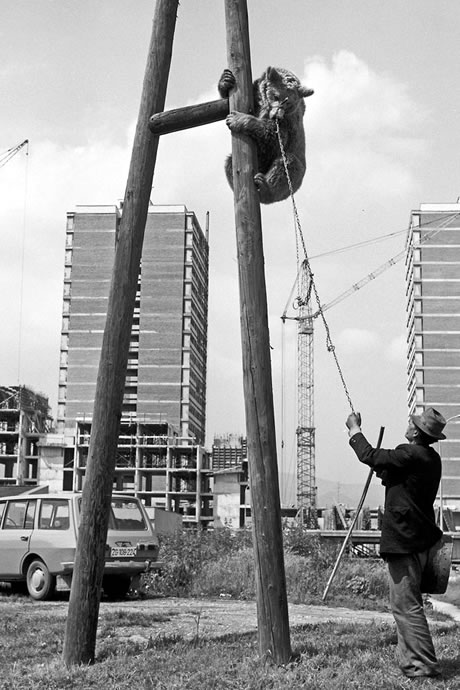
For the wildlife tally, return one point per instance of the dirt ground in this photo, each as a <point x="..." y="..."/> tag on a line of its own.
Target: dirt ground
<point x="219" y="617"/>
<point x="204" y="618"/>
<point x="191" y="617"/>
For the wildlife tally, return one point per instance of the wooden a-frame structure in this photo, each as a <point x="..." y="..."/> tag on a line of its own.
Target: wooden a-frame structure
<point x="272" y="610"/>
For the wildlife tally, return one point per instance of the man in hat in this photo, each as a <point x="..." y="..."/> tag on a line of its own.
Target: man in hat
<point x="411" y="473"/>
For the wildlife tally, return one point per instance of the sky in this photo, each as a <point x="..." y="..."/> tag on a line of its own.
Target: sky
<point x="382" y="137"/>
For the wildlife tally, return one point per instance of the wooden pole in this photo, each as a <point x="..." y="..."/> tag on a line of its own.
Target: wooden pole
<point x="272" y="609"/>
<point x="81" y="629"/>
<point x="353" y="522"/>
<point x="189" y="116"/>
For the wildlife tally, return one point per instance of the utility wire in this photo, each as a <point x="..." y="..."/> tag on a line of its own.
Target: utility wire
<point x="373" y="240"/>
<point x="346" y="248"/>
<point x="306" y="262"/>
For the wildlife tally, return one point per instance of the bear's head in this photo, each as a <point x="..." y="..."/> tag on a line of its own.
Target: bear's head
<point x="280" y="93"/>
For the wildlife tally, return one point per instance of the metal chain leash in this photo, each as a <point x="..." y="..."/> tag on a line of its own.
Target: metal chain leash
<point x="329" y="344"/>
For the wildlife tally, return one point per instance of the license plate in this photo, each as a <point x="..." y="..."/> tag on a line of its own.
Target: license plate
<point x="122" y="551"/>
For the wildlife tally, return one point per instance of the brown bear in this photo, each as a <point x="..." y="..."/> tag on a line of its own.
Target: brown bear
<point x="278" y="97"/>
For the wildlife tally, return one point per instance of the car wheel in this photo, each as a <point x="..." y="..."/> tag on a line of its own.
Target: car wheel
<point x="40" y="582"/>
<point x="116" y="586"/>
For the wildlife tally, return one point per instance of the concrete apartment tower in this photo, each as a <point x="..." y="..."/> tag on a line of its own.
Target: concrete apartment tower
<point x="433" y="295"/>
<point x="164" y="405"/>
<point x="166" y="376"/>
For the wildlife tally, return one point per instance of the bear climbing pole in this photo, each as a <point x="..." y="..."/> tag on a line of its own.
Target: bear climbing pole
<point x="272" y="610"/>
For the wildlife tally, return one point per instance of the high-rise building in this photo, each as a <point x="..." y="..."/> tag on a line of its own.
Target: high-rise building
<point x="433" y="294"/>
<point x="160" y="455"/>
<point x="166" y="377"/>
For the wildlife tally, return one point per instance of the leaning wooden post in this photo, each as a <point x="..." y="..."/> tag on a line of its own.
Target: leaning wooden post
<point x="80" y="638"/>
<point x="272" y="609"/>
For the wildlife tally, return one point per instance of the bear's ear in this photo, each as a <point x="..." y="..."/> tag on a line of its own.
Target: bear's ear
<point x="304" y="91"/>
<point x="272" y="74"/>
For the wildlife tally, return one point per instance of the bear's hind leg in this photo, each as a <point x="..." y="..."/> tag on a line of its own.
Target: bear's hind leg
<point x="274" y="185"/>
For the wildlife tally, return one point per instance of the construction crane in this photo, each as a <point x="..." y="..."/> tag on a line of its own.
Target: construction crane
<point x="10" y="153"/>
<point x="305" y="432"/>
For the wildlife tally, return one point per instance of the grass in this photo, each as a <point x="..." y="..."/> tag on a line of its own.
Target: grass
<point x="330" y="656"/>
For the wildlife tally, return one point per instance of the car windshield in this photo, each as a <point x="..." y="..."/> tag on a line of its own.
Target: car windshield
<point x="126" y="515"/>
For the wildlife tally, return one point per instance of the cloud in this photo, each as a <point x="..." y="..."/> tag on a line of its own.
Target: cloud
<point x="358" y="340"/>
<point x="360" y="102"/>
<point x="397" y="349"/>
<point x="363" y="131"/>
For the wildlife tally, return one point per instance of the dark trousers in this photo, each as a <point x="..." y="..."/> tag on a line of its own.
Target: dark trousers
<point x="415" y="646"/>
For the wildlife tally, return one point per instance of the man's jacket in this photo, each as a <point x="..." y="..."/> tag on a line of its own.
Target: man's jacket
<point x="411" y="476"/>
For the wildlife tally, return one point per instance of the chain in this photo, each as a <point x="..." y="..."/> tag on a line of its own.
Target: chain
<point x="329" y="344"/>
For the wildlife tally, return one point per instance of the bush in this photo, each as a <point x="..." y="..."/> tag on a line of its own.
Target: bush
<point x="297" y="540"/>
<point x="230" y="575"/>
<point x="221" y="562"/>
<point x="366" y="578"/>
<point x="187" y="556"/>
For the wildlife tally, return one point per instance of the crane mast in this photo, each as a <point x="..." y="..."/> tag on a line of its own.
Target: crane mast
<point x="306" y="481"/>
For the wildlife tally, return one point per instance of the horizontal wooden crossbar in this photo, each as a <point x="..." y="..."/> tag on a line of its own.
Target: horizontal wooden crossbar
<point x="189" y="116"/>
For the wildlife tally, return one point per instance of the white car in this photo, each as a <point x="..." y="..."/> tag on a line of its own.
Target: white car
<point x="38" y="539"/>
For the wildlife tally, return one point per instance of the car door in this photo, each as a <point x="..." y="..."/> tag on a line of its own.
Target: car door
<point x="54" y="537"/>
<point x="17" y="528"/>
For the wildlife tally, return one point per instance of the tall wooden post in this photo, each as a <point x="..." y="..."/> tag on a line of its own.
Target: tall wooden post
<point x="80" y="638"/>
<point x="272" y="609"/>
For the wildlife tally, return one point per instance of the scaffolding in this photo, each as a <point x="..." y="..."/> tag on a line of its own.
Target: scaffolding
<point x="153" y="463"/>
<point x="24" y="421"/>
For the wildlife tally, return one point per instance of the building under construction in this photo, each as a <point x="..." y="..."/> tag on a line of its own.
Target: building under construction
<point x="232" y="501"/>
<point x="24" y="422"/>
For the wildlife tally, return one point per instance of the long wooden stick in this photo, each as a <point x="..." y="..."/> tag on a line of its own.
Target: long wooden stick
<point x="355" y="518"/>
<point x="81" y="629"/>
<point x="272" y="608"/>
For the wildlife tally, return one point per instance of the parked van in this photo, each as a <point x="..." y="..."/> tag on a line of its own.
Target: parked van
<point x="38" y="539"/>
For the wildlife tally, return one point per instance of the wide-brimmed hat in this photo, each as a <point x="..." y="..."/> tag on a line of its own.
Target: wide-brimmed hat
<point x="431" y="422"/>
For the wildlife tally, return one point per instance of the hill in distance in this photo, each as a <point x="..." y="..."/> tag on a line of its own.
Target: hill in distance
<point x="330" y="492"/>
